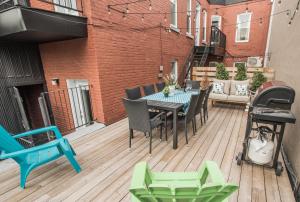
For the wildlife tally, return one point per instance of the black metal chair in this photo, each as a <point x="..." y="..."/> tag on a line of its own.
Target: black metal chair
<point x="160" y="86"/>
<point x="199" y="106"/>
<point x="205" y="103"/>
<point x="189" y="115"/>
<point x="193" y="84"/>
<point x="139" y="119"/>
<point x="133" y="93"/>
<point x="149" y="89"/>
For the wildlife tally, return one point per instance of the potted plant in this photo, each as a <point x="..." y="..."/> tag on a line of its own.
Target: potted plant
<point x="241" y="74"/>
<point x="171" y="82"/>
<point x="221" y="72"/>
<point x="257" y="80"/>
<point x="166" y="91"/>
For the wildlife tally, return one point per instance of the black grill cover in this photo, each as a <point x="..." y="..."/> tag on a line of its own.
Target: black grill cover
<point x="274" y="94"/>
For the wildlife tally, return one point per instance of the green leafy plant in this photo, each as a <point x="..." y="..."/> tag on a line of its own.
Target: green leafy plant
<point x="241" y="73"/>
<point x="166" y="91"/>
<point x="221" y="72"/>
<point x="257" y="80"/>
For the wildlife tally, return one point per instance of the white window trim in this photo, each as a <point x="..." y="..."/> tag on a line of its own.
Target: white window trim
<point x="176" y="18"/>
<point x="189" y="13"/>
<point x="220" y="22"/>
<point x="236" y="30"/>
<point x="176" y="68"/>
<point x="60" y="9"/>
<point x="204" y="26"/>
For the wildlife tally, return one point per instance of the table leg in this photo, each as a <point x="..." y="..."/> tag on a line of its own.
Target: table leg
<point x="279" y="143"/>
<point x="175" y="135"/>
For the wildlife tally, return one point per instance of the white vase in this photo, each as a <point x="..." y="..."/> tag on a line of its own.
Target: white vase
<point x="172" y="89"/>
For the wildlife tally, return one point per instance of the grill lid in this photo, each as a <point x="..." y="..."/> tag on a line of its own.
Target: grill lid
<point x="274" y="94"/>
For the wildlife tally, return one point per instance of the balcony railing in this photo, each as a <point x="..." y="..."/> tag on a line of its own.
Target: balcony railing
<point x="72" y="7"/>
<point x="217" y="38"/>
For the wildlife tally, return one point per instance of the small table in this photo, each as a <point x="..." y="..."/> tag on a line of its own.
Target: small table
<point x="179" y="100"/>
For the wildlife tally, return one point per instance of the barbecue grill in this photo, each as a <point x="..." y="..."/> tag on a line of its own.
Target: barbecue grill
<point x="268" y="111"/>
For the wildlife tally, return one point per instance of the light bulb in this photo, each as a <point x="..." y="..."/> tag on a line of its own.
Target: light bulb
<point x="108" y="10"/>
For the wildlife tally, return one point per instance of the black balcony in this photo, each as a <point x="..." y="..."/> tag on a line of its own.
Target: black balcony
<point x="217" y="41"/>
<point x="20" y="22"/>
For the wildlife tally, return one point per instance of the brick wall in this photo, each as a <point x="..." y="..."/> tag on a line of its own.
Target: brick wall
<point x="121" y="53"/>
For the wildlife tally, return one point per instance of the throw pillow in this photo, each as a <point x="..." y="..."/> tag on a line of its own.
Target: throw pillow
<point x="218" y="88"/>
<point x="241" y="90"/>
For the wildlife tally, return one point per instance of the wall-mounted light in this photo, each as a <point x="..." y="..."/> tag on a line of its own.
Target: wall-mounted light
<point x="55" y="81"/>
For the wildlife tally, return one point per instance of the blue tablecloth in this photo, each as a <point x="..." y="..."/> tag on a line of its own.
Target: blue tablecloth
<point x="178" y="97"/>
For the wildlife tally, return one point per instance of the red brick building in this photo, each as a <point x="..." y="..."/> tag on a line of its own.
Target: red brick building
<point x="127" y="44"/>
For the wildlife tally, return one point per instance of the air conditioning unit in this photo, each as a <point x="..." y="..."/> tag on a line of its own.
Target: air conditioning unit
<point x="254" y="62"/>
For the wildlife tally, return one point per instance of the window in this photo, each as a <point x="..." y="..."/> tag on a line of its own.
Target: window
<point x="204" y="25"/>
<point x="243" y="27"/>
<point x="216" y="21"/>
<point x="174" y="13"/>
<point x="174" y="69"/>
<point x="238" y="63"/>
<point x="65" y="5"/>
<point x="188" y="17"/>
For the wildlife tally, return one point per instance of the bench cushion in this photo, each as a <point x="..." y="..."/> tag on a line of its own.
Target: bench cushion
<point x="215" y="96"/>
<point x="226" y="85"/>
<point x="234" y="83"/>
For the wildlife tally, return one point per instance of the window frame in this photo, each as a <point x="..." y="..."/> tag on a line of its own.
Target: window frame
<point x="175" y="12"/>
<point x="237" y="27"/>
<point x="189" y="17"/>
<point x="60" y="9"/>
<point x="204" y="26"/>
<point x="175" y="63"/>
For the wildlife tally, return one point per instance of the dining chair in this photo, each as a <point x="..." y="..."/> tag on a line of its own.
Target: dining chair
<point x="133" y="93"/>
<point x="189" y="114"/>
<point x="139" y="119"/>
<point x="160" y="86"/>
<point x="205" y="103"/>
<point x="193" y="84"/>
<point x="149" y="89"/>
<point x="198" y="109"/>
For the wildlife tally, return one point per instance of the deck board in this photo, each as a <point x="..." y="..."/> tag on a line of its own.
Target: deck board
<point x="107" y="164"/>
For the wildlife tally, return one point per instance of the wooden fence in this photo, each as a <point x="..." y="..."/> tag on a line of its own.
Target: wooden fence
<point x="199" y="73"/>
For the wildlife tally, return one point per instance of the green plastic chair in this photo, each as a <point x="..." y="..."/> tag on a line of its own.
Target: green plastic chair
<point x="30" y="158"/>
<point x="206" y="185"/>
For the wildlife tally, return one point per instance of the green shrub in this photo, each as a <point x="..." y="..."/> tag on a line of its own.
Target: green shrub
<point x="221" y="72"/>
<point x="257" y="80"/>
<point x="241" y="73"/>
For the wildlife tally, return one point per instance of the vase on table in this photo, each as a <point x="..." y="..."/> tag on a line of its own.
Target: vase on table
<point x="172" y="89"/>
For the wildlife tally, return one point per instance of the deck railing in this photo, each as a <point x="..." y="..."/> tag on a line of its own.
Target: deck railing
<point x="217" y="38"/>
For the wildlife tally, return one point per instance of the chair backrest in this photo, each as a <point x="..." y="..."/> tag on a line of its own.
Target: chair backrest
<point x="190" y="113"/>
<point x="207" y="96"/>
<point x="8" y="143"/>
<point x="149" y="89"/>
<point x="133" y="93"/>
<point x="138" y="114"/>
<point x="160" y="86"/>
<point x="200" y="101"/>
<point x="193" y="84"/>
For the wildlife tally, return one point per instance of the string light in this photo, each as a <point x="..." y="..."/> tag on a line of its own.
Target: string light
<point x="143" y="17"/>
<point x="124" y="16"/>
<point x="150" y="5"/>
<point x="108" y="10"/>
<point x="165" y="18"/>
<point x="127" y="9"/>
<point x="260" y="21"/>
<point x="216" y="11"/>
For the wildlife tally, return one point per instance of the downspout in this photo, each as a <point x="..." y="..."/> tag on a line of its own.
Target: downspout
<point x="267" y="54"/>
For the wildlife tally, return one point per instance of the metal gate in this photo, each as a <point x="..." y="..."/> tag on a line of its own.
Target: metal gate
<point x="68" y="109"/>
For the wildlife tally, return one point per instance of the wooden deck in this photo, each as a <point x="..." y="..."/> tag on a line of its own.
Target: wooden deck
<point x="108" y="163"/>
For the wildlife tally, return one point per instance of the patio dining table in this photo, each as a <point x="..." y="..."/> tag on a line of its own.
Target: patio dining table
<point x="173" y="103"/>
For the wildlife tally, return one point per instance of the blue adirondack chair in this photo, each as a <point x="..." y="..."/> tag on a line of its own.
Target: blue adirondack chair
<point x="30" y="158"/>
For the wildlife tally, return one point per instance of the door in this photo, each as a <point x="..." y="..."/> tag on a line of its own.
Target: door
<point x="197" y="25"/>
<point x="216" y="21"/>
<point x="76" y="96"/>
<point x="21" y="108"/>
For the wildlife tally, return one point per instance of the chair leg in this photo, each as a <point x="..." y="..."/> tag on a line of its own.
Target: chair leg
<point x="69" y="155"/>
<point x="161" y="129"/>
<point x="201" y="119"/>
<point x="195" y="123"/>
<point x="185" y="131"/>
<point x="166" y="128"/>
<point x="193" y="126"/>
<point x="130" y="136"/>
<point x="150" y="149"/>
<point x="24" y="172"/>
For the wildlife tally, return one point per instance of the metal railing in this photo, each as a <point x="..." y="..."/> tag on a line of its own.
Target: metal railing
<point x="217" y="38"/>
<point x="73" y="7"/>
<point x="69" y="108"/>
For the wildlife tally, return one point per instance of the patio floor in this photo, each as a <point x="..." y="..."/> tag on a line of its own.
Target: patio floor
<point x="108" y="163"/>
